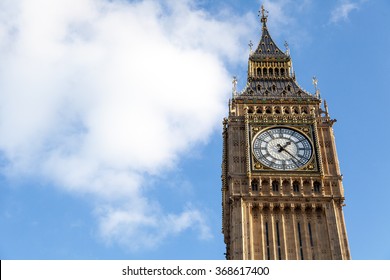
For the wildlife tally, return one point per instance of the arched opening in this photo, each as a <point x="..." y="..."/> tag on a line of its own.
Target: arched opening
<point x="255" y="185"/>
<point x="271" y="71"/>
<point x="296" y="186"/>
<point x="259" y="72"/>
<point x="317" y="187"/>
<point x="275" y="186"/>
<point x="264" y="71"/>
<point x="282" y="72"/>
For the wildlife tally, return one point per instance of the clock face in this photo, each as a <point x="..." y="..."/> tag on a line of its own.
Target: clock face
<point x="282" y="148"/>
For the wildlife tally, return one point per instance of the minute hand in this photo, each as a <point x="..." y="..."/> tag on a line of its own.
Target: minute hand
<point x="291" y="154"/>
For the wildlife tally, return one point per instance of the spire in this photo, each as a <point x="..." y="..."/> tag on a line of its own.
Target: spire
<point x="264" y="16"/>
<point x="266" y="47"/>
<point x="270" y="70"/>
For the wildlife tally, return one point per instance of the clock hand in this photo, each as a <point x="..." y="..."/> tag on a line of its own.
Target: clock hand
<point x="293" y="156"/>
<point x="281" y="148"/>
<point x="288" y="143"/>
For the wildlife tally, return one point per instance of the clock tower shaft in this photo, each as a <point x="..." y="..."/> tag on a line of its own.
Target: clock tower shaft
<point x="280" y="200"/>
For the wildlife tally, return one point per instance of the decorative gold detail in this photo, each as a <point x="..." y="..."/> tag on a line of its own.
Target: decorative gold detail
<point x="258" y="166"/>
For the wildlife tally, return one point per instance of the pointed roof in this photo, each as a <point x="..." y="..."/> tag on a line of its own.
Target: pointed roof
<point x="267" y="47"/>
<point x="270" y="73"/>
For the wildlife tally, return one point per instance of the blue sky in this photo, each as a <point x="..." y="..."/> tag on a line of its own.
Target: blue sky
<point x="111" y="111"/>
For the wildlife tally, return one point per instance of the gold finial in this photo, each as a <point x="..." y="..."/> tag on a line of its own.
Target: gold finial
<point x="287" y="48"/>
<point x="264" y="15"/>
<point x="315" y="83"/>
<point x="250" y="46"/>
<point x="234" y="82"/>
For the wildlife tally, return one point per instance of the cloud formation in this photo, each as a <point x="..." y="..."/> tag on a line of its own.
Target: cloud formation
<point x="98" y="96"/>
<point x="342" y="12"/>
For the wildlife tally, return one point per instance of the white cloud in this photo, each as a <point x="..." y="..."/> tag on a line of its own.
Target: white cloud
<point x="141" y="229"/>
<point x="96" y="96"/>
<point x="342" y="12"/>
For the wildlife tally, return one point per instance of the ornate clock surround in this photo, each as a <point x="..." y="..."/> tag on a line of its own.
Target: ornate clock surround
<point x="312" y="167"/>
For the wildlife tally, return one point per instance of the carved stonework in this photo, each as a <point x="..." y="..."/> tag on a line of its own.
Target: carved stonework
<point x="291" y="190"/>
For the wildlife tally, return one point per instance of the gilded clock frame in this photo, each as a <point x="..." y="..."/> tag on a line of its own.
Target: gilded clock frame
<point x="308" y="130"/>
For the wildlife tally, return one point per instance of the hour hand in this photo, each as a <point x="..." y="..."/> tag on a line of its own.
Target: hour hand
<point x="281" y="148"/>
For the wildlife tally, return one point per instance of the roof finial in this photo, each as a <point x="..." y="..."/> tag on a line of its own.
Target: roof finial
<point x="234" y="82"/>
<point x="287" y="48"/>
<point x="315" y="83"/>
<point x="264" y="15"/>
<point x="326" y="108"/>
<point x="250" y="46"/>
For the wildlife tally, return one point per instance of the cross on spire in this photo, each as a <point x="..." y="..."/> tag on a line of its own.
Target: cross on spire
<point x="264" y="15"/>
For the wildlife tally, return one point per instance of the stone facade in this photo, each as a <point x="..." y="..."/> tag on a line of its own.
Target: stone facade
<point x="280" y="203"/>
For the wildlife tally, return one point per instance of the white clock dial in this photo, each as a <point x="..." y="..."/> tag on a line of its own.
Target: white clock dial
<point x="282" y="148"/>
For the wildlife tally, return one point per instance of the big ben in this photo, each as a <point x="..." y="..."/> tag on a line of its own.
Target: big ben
<point x="282" y="191"/>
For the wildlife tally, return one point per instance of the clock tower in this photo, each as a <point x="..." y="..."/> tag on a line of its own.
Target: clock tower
<point x="282" y="192"/>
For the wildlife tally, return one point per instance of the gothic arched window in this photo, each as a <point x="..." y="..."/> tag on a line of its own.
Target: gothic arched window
<point x="296" y="186"/>
<point x="255" y="185"/>
<point x="275" y="186"/>
<point x="317" y="187"/>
